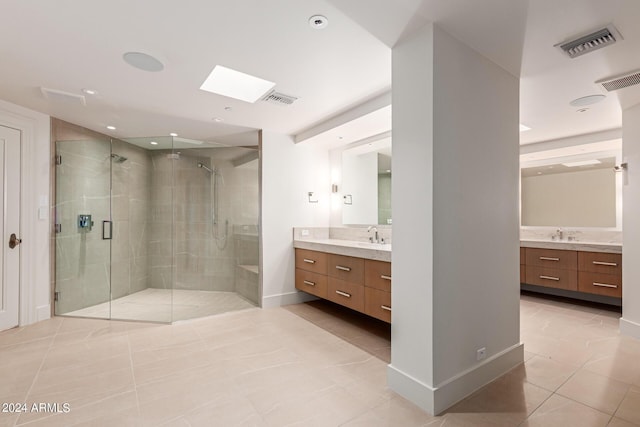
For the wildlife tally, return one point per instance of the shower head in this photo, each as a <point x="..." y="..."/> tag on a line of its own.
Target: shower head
<point x="205" y="167"/>
<point x="118" y="158"/>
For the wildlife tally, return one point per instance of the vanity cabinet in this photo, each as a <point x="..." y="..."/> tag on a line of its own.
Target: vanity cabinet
<point x="580" y="272"/>
<point x="360" y="284"/>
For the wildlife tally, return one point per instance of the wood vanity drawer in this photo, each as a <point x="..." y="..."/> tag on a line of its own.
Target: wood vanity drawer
<point x="377" y="274"/>
<point x="311" y="283"/>
<point x="552" y="258"/>
<point x="377" y="304"/>
<point x="346" y="293"/>
<point x="598" y="262"/>
<point x="552" y="277"/>
<point x="601" y="284"/>
<point x="346" y="268"/>
<point x="523" y="273"/>
<point x="523" y="256"/>
<point x="311" y="261"/>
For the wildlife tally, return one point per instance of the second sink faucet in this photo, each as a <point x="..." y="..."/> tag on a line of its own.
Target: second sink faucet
<point x="374" y="238"/>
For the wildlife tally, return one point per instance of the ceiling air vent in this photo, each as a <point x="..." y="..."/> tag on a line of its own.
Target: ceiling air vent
<point x="58" y="95"/>
<point x="590" y="42"/>
<point x="620" y="82"/>
<point x="279" y="98"/>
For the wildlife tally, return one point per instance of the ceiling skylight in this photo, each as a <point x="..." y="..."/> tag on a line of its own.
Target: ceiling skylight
<point x="582" y="163"/>
<point x="234" y="84"/>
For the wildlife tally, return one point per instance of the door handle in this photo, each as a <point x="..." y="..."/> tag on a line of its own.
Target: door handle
<point x="14" y="241"/>
<point x="107" y="230"/>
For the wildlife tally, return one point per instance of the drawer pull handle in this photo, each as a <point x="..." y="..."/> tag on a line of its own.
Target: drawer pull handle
<point x="344" y="294"/>
<point x="310" y="261"/>
<point x="306" y="282"/>
<point x="610" y="264"/>
<point x="385" y="307"/>
<point x="339" y="267"/>
<point x="385" y="277"/>
<point x="604" y="285"/>
<point x="547" y="258"/>
<point x="550" y="278"/>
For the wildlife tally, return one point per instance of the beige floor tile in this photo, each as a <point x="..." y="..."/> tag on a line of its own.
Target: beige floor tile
<point x="506" y="401"/>
<point x="595" y="391"/>
<point x="559" y="411"/>
<point x="629" y="409"/>
<point x="236" y="411"/>
<point x="395" y="412"/>
<point x="546" y="373"/>
<point x="37" y="331"/>
<point x="618" y="422"/>
<point x="621" y="366"/>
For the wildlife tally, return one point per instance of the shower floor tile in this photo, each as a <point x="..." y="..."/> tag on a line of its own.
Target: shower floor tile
<point x="156" y="305"/>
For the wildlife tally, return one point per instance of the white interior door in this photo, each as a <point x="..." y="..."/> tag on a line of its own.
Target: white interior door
<point x="10" y="227"/>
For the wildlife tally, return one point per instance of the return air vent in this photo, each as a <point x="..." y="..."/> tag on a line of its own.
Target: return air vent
<point x="60" y="96"/>
<point x="620" y="82"/>
<point x="590" y="42"/>
<point x="279" y="98"/>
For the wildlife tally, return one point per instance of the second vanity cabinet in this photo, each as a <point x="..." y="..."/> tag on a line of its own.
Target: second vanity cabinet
<point x="582" y="272"/>
<point x="361" y="284"/>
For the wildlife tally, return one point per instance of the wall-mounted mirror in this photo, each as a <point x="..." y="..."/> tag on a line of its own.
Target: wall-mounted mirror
<point x="571" y="190"/>
<point x="366" y="183"/>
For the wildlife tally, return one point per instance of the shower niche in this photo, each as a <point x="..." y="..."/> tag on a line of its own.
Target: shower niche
<point x="155" y="229"/>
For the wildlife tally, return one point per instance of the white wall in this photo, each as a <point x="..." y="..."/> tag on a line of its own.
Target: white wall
<point x="35" y="232"/>
<point x="360" y="180"/>
<point x="585" y="198"/>
<point x="289" y="172"/>
<point x="630" y="322"/>
<point x="455" y="189"/>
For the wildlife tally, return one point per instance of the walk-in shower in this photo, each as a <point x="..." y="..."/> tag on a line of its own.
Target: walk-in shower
<point x="175" y="232"/>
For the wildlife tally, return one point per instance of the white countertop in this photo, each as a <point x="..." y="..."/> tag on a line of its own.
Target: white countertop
<point x="615" y="248"/>
<point x="375" y="251"/>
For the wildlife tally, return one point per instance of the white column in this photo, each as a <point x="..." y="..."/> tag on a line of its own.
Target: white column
<point x="630" y="322"/>
<point x="455" y="228"/>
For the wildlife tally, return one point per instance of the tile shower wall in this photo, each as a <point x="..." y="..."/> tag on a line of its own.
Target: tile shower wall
<point x="206" y="256"/>
<point x="85" y="261"/>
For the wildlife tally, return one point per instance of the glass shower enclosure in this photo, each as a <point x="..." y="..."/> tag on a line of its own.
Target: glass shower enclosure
<point x="155" y="229"/>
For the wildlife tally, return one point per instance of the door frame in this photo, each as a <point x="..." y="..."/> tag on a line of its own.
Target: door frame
<point x="35" y="210"/>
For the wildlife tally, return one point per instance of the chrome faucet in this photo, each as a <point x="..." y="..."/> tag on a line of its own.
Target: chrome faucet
<point x="559" y="234"/>
<point x="373" y="239"/>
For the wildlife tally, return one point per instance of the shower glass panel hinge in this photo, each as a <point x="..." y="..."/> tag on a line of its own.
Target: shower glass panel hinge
<point x="58" y="228"/>
<point x="58" y="159"/>
<point x="56" y="296"/>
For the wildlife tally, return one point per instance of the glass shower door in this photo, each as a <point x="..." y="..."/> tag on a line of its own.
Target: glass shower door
<point x="84" y="228"/>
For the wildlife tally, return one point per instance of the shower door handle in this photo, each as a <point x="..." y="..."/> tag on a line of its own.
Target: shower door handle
<point x="107" y="230"/>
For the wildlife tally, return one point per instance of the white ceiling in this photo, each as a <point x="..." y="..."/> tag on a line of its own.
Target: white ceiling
<point x="70" y="45"/>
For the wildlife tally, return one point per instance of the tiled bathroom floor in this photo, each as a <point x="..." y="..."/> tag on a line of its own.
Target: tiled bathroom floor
<point x="155" y="305"/>
<point x="274" y="368"/>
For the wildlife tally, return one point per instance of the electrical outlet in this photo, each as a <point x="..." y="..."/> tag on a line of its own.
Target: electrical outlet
<point x="481" y="353"/>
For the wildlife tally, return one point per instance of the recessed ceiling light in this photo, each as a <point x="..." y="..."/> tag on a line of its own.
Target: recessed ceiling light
<point x="90" y="91"/>
<point x="111" y="127"/>
<point x="173" y="134"/>
<point x="153" y="143"/>
<point x="318" y="22"/>
<point x="582" y="163"/>
<point x="234" y="84"/>
<point x="142" y="61"/>
<point x="586" y="100"/>
<point x="218" y="119"/>
<point x="524" y="128"/>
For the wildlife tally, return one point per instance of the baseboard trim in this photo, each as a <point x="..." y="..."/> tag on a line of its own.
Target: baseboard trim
<point x="629" y="328"/>
<point x="43" y="312"/>
<point x="437" y="399"/>
<point x="271" y="301"/>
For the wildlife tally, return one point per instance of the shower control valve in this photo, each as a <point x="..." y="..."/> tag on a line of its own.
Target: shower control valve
<point x="84" y="222"/>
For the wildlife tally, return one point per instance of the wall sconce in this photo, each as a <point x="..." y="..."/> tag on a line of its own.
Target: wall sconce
<point x="312" y="197"/>
<point x="348" y="200"/>
<point x="334" y="188"/>
<point x="620" y="168"/>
